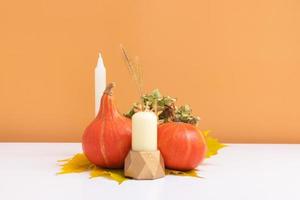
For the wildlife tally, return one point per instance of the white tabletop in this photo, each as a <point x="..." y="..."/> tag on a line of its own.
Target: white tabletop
<point x="239" y="172"/>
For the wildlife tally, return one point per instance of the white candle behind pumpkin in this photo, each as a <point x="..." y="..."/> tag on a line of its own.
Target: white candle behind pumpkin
<point x="100" y="82"/>
<point x="144" y="131"/>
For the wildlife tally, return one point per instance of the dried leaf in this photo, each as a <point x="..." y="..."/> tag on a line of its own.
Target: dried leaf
<point x="112" y="174"/>
<point x="192" y="173"/>
<point x="213" y="145"/>
<point x="79" y="163"/>
<point x="76" y="164"/>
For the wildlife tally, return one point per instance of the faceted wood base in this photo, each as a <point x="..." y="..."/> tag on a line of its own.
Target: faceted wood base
<point x="144" y="165"/>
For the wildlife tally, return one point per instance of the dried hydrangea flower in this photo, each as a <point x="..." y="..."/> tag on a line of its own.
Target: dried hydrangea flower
<point x="165" y="108"/>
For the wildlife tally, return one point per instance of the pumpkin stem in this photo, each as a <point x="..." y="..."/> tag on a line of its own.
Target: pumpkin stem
<point x="109" y="87"/>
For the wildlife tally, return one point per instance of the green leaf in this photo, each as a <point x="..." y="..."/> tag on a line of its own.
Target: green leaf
<point x="213" y="145"/>
<point x="156" y="94"/>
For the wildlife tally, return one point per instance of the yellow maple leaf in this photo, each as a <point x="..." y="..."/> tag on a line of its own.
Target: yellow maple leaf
<point x="113" y="174"/>
<point x="192" y="173"/>
<point x="213" y="145"/>
<point x="78" y="163"/>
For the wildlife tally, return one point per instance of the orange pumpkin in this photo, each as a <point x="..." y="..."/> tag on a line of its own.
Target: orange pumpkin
<point x="182" y="145"/>
<point x="107" y="140"/>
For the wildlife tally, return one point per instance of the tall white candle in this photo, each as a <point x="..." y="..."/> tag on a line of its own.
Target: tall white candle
<point x="144" y="131"/>
<point x="100" y="82"/>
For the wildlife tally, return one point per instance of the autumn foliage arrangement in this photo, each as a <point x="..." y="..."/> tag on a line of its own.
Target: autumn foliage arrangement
<point x="107" y="139"/>
<point x="180" y="141"/>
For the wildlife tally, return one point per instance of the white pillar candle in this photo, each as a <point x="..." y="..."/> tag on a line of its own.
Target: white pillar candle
<point x="144" y="131"/>
<point x="100" y="82"/>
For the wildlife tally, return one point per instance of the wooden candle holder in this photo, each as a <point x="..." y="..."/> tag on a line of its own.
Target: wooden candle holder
<point x="144" y="165"/>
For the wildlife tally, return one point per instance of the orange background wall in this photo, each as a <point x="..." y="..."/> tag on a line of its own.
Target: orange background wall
<point x="235" y="62"/>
